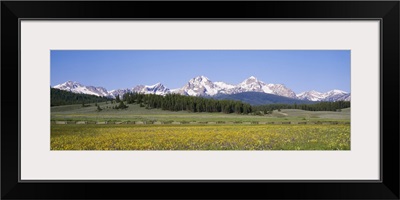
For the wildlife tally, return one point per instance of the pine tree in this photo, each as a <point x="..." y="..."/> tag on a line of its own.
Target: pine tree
<point x="117" y="99"/>
<point x="122" y="105"/>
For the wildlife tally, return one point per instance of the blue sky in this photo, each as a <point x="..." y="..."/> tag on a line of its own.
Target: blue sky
<point x="299" y="70"/>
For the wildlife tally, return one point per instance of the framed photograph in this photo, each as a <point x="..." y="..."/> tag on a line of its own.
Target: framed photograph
<point x="200" y="96"/>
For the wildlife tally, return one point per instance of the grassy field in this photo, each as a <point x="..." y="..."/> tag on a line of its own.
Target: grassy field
<point x="200" y="137"/>
<point x="136" y="113"/>
<point x="196" y="136"/>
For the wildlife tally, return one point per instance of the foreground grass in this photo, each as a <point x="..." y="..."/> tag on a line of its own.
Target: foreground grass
<point x="200" y="137"/>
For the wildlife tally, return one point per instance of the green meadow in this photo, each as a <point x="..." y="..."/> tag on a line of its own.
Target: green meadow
<point x="136" y="113"/>
<point x="197" y="131"/>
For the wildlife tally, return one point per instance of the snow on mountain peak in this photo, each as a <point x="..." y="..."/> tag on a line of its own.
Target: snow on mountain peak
<point x="250" y="80"/>
<point x="203" y="77"/>
<point x="70" y="84"/>
<point x="223" y="85"/>
<point x="311" y="96"/>
<point x="155" y="85"/>
<point x="76" y="87"/>
<point x="199" y="86"/>
<point x="198" y="79"/>
<point x="252" y="84"/>
<point x="311" y="92"/>
<point x="338" y="91"/>
<point x="332" y="95"/>
<point x="157" y="88"/>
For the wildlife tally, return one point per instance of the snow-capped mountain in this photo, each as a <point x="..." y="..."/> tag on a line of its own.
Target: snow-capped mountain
<point x="202" y="86"/>
<point x="252" y="84"/>
<point x="157" y="88"/>
<point x="311" y="96"/>
<point x="224" y="86"/>
<point x="198" y="86"/>
<point x="346" y="97"/>
<point x="120" y="92"/>
<point x="333" y="95"/>
<point x="336" y="95"/>
<point x="76" y="87"/>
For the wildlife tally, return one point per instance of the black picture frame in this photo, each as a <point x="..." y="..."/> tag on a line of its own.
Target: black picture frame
<point x="386" y="11"/>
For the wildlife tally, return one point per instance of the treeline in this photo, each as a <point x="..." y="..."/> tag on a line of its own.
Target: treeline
<point x="322" y="106"/>
<point x="177" y="102"/>
<point x="60" y="97"/>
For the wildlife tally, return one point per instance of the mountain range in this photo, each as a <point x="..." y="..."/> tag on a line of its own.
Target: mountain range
<point x="202" y="86"/>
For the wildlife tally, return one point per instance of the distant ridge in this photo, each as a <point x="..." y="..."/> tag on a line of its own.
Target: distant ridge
<point x="202" y="86"/>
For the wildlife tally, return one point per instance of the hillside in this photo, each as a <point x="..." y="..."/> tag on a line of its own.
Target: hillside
<point x="60" y="97"/>
<point x="258" y="98"/>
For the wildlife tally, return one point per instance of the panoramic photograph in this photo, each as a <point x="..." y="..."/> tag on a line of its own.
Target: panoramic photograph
<point x="200" y="100"/>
